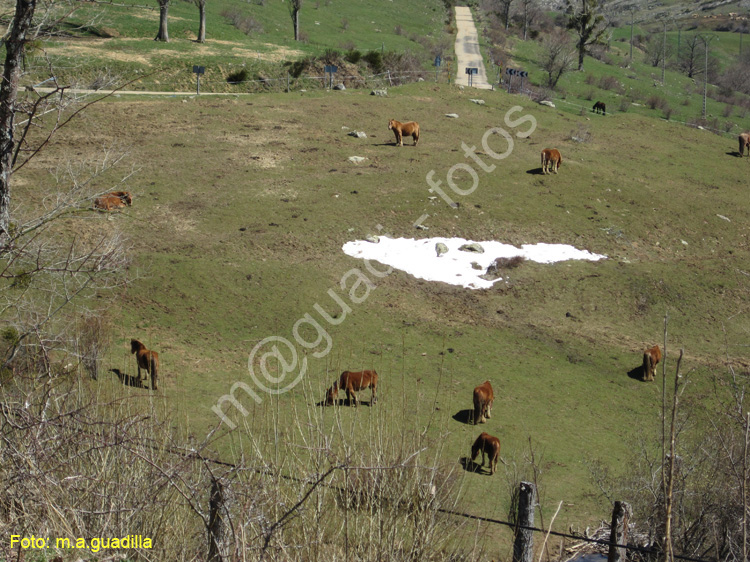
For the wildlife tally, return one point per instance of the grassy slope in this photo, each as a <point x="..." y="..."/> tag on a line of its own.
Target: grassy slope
<point x="204" y="291"/>
<point x="276" y="165"/>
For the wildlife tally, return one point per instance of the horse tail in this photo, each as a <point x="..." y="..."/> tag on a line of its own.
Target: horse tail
<point x="477" y="408"/>
<point x="154" y="369"/>
<point x="416" y="133"/>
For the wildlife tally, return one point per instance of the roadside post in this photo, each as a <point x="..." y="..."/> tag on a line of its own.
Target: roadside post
<point x="198" y="70"/>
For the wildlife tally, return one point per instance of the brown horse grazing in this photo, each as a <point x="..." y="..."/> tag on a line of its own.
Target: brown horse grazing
<point x="744" y="139"/>
<point x="353" y="382"/>
<point x="410" y="129"/>
<point x="488" y="445"/>
<point x="483" y="399"/>
<point x="600" y="107"/>
<point x="651" y="358"/>
<point x="113" y="200"/>
<point x="551" y="160"/>
<point x="148" y="360"/>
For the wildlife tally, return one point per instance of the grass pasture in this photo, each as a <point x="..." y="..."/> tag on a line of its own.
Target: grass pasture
<point x="241" y="207"/>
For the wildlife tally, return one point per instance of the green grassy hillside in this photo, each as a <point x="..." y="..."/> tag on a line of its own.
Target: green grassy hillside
<point x="241" y="207"/>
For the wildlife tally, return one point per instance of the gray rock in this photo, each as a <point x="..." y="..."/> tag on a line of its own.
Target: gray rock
<point x="421" y="227"/>
<point x="372" y="238"/>
<point x="475" y="265"/>
<point x="382" y="93"/>
<point x="473" y="247"/>
<point x="358" y="134"/>
<point x="339" y="87"/>
<point x="478" y="102"/>
<point x="357" y="159"/>
<point x="547" y="103"/>
<point x="452" y="115"/>
<point x="441" y="249"/>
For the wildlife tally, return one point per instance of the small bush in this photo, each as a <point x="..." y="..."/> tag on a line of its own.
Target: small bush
<point x="667" y="112"/>
<point x="656" y="102"/>
<point x="238" y="76"/>
<point x="374" y="59"/>
<point x="589" y="95"/>
<point x="728" y="110"/>
<point x="398" y="30"/>
<point x="590" y="79"/>
<point x="610" y="83"/>
<point x="581" y="134"/>
<point x="624" y="105"/>
<point x="728" y="126"/>
<point x="245" y="23"/>
<point x="344" y="24"/>
<point x="353" y="56"/>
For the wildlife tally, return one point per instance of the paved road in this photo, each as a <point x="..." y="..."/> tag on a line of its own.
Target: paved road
<point x="467" y="50"/>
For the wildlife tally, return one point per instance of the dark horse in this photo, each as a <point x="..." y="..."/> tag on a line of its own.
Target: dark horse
<point x="483" y="399"/>
<point x="353" y="382"/>
<point x="488" y="445"/>
<point x="600" y="107"/>
<point x="148" y="360"/>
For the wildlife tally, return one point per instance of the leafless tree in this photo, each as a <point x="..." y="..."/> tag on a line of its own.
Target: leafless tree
<point x="690" y="59"/>
<point x="163" y="34"/>
<point x="501" y="9"/>
<point x="529" y="13"/>
<point x="589" y="24"/>
<point x="558" y="56"/>
<point x="655" y="50"/>
<point x="295" y="7"/>
<point x="202" y="25"/>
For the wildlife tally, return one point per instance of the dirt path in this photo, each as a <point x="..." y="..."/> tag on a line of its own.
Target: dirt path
<point x="467" y="51"/>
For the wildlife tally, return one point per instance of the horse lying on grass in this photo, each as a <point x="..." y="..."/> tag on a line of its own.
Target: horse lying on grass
<point x="148" y="360"/>
<point x="410" y="129"/>
<point x="113" y="200"/>
<point x="488" y="445"/>
<point x="353" y="382"/>
<point x="483" y="399"/>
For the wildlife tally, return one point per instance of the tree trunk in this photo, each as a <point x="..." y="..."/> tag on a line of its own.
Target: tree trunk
<point x="619" y="532"/>
<point x="581" y="53"/>
<point x="295" y="17"/>
<point x="202" y="25"/>
<point x="523" y="546"/>
<point x="14" y="52"/>
<point x="163" y="34"/>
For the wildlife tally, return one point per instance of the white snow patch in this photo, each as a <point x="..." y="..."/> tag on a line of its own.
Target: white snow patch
<point x="419" y="257"/>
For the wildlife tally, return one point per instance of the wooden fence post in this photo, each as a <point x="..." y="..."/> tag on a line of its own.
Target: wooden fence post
<point x="619" y="532"/>
<point x="216" y="528"/>
<point x="523" y="546"/>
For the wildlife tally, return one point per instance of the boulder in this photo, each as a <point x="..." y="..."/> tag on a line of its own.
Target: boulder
<point x="473" y="247"/>
<point x="339" y="87"/>
<point x="547" y="103"/>
<point x="452" y="115"/>
<point x="478" y="102"/>
<point x="441" y="249"/>
<point x="381" y="93"/>
<point x="357" y="159"/>
<point x="358" y="134"/>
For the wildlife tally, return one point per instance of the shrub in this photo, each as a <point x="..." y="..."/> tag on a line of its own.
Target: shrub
<point x="656" y="102"/>
<point x="581" y="134"/>
<point x="353" y="56"/>
<point x="611" y="83"/>
<point x="238" y="76"/>
<point x="245" y="23"/>
<point x="374" y="60"/>
<point x="667" y="111"/>
<point x="624" y="105"/>
<point x="590" y="79"/>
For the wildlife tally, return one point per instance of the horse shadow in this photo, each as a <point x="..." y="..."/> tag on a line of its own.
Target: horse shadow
<point x="469" y="465"/>
<point x="536" y="171"/>
<point x="128" y="380"/>
<point x="345" y="402"/>
<point x="734" y="153"/>
<point x="636" y="373"/>
<point x="464" y="416"/>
